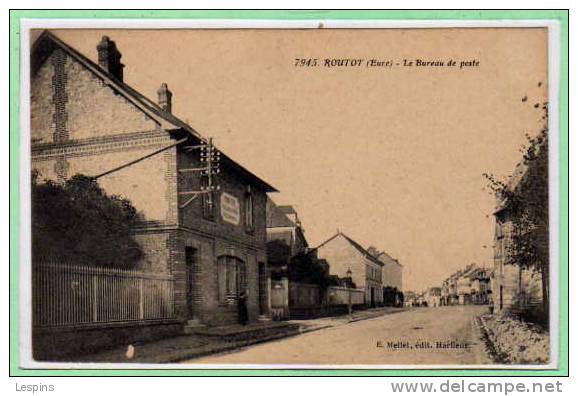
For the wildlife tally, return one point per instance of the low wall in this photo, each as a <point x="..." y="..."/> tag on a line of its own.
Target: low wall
<point x="58" y="344"/>
<point x="292" y="300"/>
<point x="337" y="295"/>
<point x="304" y="295"/>
<point x="317" y="312"/>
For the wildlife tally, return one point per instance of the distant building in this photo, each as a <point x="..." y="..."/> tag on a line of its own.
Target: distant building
<point x="392" y="277"/>
<point x="470" y="285"/>
<point x="481" y="288"/>
<point x="392" y="269"/>
<point x="285" y="238"/>
<point x="464" y="284"/>
<point x="433" y="296"/>
<point x="449" y="294"/>
<point x="409" y="298"/>
<point x="343" y="254"/>
<point x="283" y="224"/>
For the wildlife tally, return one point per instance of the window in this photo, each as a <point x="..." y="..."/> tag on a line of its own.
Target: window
<point x="232" y="275"/>
<point x="249" y="223"/>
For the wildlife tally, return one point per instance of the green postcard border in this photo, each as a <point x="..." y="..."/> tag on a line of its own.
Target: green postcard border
<point x="16" y="15"/>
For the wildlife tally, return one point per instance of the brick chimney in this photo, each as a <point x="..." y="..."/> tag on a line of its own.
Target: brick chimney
<point x="165" y="98"/>
<point x="109" y="57"/>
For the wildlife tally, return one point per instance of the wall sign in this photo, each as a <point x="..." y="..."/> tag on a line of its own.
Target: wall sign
<point x="230" y="209"/>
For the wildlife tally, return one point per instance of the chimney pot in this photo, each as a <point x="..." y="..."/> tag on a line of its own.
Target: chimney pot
<point x="109" y="58"/>
<point x="165" y="97"/>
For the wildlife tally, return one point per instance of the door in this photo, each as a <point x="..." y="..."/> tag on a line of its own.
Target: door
<point x="372" y="293"/>
<point x="191" y="279"/>
<point x="263" y="286"/>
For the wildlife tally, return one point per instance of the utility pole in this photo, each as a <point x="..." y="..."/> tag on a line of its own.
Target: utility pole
<point x="210" y="168"/>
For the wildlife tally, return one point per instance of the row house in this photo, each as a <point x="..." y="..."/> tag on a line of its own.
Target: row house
<point x="348" y="259"/>
<point x="85" y="119"/>
<point x="449" y="294"/>
<point x="480" y="287"/>
<point x="470" y="285"/>
<point x="433" y="296"/>
<point x="464" y="284"/>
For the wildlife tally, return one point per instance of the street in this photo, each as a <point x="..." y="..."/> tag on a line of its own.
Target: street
<point x="443" y="335"/>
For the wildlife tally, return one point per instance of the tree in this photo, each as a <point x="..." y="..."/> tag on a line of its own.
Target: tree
<point x="278" y="252"/>
<point x="76" y="221"/>
<point x="527" y="205"/>
<point x="305" y="268"/>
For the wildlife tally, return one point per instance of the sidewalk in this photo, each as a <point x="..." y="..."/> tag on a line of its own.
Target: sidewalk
<point x="333" y="321"/>
<point x="208" y="341"/>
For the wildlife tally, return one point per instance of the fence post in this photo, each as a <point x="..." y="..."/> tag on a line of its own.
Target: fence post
<point x="141" y="298"/>
<point x="95" y="297"/>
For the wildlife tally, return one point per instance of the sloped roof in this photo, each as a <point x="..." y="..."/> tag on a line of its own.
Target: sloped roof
<point x="47" y="42"/>
<point x="381" y="254"/>
<point x="276" y="217"/>
<point x="287" y="209"/>
<point x="353" y="243"/>
<point x="373" y="251"/>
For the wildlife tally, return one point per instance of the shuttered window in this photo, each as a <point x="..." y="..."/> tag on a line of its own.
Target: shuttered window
<point x="232" y="275"/>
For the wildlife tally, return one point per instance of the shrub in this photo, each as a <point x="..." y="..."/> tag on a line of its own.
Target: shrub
<point x="77" y="222"/>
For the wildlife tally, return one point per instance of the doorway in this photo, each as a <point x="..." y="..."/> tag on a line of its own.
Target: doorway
<point x="263" y="292"/>
<point x="191" y="263"/>
<point x="372" y="294"/>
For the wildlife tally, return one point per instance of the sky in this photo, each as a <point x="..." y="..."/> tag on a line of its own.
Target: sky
<point x="392" y="157"/>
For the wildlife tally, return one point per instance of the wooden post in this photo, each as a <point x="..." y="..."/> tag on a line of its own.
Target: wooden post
<point x="269" y="294"/>
<point x="141" y="297"/>
<point x="95" y="298"/>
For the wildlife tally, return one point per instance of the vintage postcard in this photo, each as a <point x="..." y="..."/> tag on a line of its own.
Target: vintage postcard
<point x="306" y="194"/>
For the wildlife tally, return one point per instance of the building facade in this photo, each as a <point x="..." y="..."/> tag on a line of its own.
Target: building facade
<point x="392" y="271"/>
<point x="283" y="223"/>
<point x="433" y="296"/>
<point x="470" y="285"/>
<point x="514" y="288"/>
<point x="344" y="255"/>
<point x="85" y="119"/>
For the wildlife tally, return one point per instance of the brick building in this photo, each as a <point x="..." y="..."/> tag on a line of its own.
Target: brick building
<point x="343" y="254"/>
<point x="85" y="119"/>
